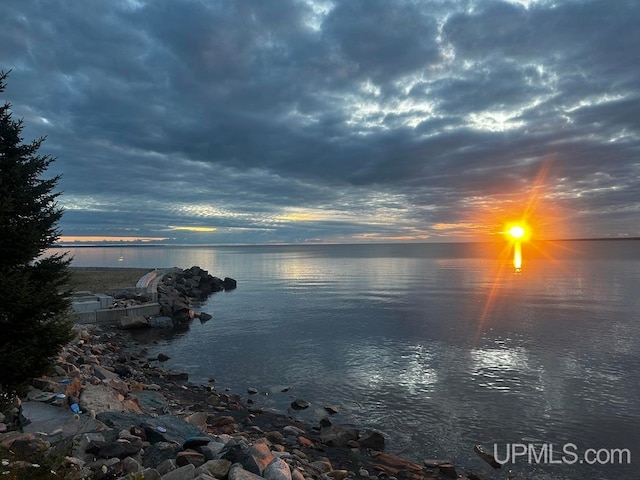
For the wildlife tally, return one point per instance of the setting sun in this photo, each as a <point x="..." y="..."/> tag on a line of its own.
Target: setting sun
<point x="516" y="231"/>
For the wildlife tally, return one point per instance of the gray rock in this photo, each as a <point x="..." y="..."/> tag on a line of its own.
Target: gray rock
<point x="211" y="450"/>
<point x="130" y="465"/>
<point x="204" y="316"/>
<point x="371" y="439"/>
<point x="290" y="430"/>
<point x="236" y="472"/>
<point x="172" y="429"/>
<point x="133" y="322"/>
<point x="150" y="400"/>
<point x="204" y="476"/>
<point x="486" y="456"/>
<point x="188" y="472"/>
<point x="166" y="466"/>
<point x="297" y="475"/>
<point x="277" y="470"/>
<point x="119" y="449"/>
<point x="300" y="404"/>
<point x="47" y="418"/>
<point x="190" y="457"/>
<point x="162" y="357"/>
<point x="338" y="436"/>
<point x="104" y="374"/>
<point x="150" y="474"/>
<point x="229" y="283"/>
<point x="161" y="322"/>
<point x="101" y="398"/>
<point x="195" y="442"/>
<point x="216" y="468"/>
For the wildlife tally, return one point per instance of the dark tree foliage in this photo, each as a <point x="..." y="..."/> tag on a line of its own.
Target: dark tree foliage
<point x="34" y="320"/>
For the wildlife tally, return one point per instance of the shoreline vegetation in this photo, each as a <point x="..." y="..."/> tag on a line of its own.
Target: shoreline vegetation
<point x="109" y="411"/>
<point x="103" y="279"/>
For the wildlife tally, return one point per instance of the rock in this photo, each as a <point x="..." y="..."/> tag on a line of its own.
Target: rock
<point x="486" y="456"/>
<point x="392" y="464"/>
<point x="195" y="442"/>
<point x="229" y="283"/>
<point x="188" y="472"/>
<point x="305" y="442"/>
<point x="199" y="419"/>
<point x="252" y="391"/>
<point x="204" y="317"/>
<point x="323" y="466"/>
<point x="478" y="476"/>
<point x="216" y="468"/>
<point x="331" y="409"/>
<point x="163" y="428"/>
<point x="133" y="322"/>
<point x="448" y="470"/>
<point x="101" y="398"/>
<point x="371" y="439"/>
<point x="338" y="436"/>
<point x="150" y="400"/>
<point x="236" y="472"/>
<point x="277" y="469"/>
<point x="104" y="374"/>
<point x="432" y="463"/>
<point x="130" y="465"/>
<point x="166" y="466"/>
<point x="150" y="474"/>
<point x="325" y="422"/>
<point x="338" y="474"/>
<point x="290" y="430"/>
<point x="297" y="475"/>
<point x="177" y="376"/>
<point x="119" y="449"/>
<point x="299" y="404"/>
<point x="189" y="457"/>
<point x="221" y="421"/>
<point x="161" y="322"/>
<point x="162" y="357"/>
<point x="29" y="447"/>
<point x="261" y="455"/>
<point x="211" y="450"/>
<point x="275" y="437"/>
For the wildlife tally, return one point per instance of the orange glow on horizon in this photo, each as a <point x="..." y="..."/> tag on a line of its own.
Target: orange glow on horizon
<point x="107" y="239"/>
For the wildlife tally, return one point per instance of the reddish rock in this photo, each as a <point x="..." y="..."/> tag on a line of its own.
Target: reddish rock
<point x="189" y="457"/>
<point x="305" y="442"/>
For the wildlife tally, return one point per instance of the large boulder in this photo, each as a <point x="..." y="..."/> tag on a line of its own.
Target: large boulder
<point x="132" y="322"/>
<point x="338" y="436"/>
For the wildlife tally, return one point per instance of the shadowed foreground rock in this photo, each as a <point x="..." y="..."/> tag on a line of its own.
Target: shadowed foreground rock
<point x="136" y="420"/>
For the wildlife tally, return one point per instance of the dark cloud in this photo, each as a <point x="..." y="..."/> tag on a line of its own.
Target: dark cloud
<point x="310" y="119"/>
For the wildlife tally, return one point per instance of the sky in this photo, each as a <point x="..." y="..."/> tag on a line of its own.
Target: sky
<point x="293" y="121"/>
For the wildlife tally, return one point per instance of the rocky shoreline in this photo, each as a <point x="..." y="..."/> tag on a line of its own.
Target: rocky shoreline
<point x="109" y="411"/>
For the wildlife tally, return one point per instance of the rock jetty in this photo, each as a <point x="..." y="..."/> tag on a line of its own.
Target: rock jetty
<point x="109" y="412"/>
<point x="179" y="288"/>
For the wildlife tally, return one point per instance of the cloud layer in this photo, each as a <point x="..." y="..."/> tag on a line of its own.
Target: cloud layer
<point x="311" y="120"/>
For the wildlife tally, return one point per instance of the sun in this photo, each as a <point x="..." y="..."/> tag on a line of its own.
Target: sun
<point x="518" y="232"/>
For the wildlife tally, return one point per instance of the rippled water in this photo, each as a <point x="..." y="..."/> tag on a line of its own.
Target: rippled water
<point x="440" y="347"/>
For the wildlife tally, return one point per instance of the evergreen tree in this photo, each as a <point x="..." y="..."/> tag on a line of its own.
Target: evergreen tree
<point x="34" y="319"/>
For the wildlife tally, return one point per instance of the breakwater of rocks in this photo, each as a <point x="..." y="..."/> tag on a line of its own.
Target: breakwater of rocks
<point x="178" y="289"/>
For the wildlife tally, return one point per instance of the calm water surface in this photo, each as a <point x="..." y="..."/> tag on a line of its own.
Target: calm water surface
<point x="438" y="346"/>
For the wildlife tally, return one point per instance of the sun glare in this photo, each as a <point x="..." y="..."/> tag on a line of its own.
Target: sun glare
<point x="516" y="231"/>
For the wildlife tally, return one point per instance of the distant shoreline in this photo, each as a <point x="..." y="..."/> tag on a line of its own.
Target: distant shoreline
<point x="182" y="245"/>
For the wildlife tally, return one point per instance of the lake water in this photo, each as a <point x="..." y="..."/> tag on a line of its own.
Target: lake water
<point x="438" y="346"/>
